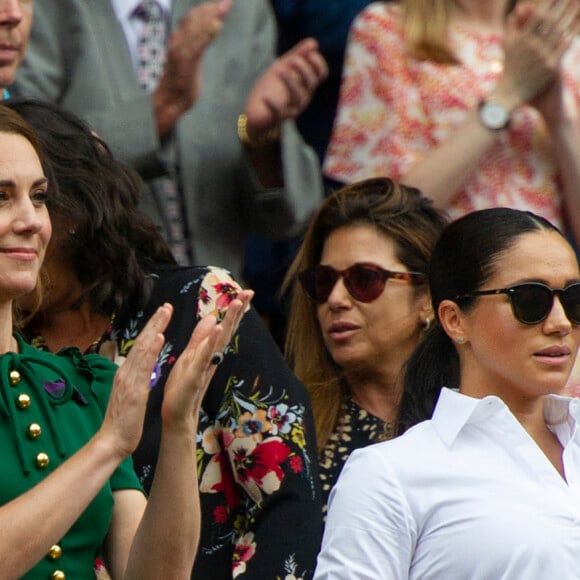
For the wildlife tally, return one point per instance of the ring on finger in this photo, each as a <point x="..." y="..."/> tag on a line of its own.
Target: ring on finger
<point x="217" y="358"/>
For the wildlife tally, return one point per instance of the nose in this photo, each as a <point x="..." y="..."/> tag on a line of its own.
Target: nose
<point x="10" y="13"/>
<point x="557" y="321"/>
<point x="339" y="296"/>
<point x="27" y="218"/>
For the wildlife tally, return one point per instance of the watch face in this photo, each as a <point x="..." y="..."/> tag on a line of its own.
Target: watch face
<point x="494" y="115"/>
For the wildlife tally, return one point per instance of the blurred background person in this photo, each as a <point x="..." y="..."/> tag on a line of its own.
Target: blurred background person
<point x="328" y="22"/>
<point x="475" y="103"/>
<point x="360" y="305"/>
<point x="107" y="268"/>
<point x="191" y="95"/>
<point x="488" y="487"/>
<point x="15" y="23"/>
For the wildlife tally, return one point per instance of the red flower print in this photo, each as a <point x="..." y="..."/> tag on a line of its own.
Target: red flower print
<point x="244" y="549"/>
<point x="296" y="464"/>
<point x="218" y="476"/>
<point x="257" y="467"/>
<point x="226" y="292"/>
<point x="220" y="514"/>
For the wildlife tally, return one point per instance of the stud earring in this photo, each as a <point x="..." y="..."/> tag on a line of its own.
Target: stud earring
<point x="460" y="339"/>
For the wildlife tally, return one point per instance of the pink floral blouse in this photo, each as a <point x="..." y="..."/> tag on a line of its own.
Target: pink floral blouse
<point x="394" y="108"/>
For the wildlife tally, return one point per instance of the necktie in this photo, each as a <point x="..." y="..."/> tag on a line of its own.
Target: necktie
<point x="151" y="51"/>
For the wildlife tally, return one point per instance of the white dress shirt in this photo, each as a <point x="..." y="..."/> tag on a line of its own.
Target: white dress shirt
<point x="467" y="495"/>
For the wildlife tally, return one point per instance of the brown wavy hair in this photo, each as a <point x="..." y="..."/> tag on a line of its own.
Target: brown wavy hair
<point x="399" y="212"/>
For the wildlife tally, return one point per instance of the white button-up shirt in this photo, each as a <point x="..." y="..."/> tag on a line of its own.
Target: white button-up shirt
<point x="467" y="495"/>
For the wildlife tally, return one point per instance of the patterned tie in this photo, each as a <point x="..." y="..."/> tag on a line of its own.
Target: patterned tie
<point x="151" y="50"/>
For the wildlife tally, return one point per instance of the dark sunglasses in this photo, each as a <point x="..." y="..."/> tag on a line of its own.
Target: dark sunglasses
<point x="364" y="282"/>
<point x="532" y="302"/>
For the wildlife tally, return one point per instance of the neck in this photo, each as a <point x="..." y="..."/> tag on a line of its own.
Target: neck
<point x="379" y="394"/>
<point x="489" y="15"/>
<point x="79" y="327"/>
<point x="7" y="341"/>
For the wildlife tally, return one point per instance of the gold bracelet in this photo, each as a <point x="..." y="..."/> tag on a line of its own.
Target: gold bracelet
<point x="270" y="137"/>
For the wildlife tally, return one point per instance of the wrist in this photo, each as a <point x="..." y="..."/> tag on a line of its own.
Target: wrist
<point x="252" y="141"/>
<point x="493" y="115"/>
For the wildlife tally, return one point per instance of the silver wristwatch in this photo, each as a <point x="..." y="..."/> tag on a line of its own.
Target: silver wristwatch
<point x="493" y="115"/>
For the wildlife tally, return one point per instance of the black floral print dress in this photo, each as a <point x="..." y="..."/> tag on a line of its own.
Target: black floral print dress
<point x="256" y="450"/>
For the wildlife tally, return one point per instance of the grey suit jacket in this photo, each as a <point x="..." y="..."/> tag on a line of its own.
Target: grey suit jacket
<point x="78" y="58"/>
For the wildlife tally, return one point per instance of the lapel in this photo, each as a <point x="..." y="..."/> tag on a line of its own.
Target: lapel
<point x="114" y="51"/>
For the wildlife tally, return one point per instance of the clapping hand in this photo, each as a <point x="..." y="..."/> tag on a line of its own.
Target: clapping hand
<point x="536" y="38"/>
<point x="195" y="367"/>
<point x="187" y="381"/>
<point x="180" y="84"/>
<point x="285" y="89"/>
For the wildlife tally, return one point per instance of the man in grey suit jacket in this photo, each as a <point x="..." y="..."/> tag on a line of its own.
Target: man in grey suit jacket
<point x="220" y="64"/>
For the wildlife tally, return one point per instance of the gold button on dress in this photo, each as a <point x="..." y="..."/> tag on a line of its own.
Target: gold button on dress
<point x="42" y="460"/>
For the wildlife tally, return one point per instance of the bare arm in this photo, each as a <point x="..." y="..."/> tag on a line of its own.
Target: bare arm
<point x="531" y="67"/>
<point x="87" y="470"/>
<point x="166" y="538"/>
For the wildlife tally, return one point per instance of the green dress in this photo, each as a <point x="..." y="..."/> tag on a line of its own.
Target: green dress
<point x="50" y="406"/>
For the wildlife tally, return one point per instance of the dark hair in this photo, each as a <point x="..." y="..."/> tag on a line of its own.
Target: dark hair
<point x="114" y="245"/>
<point x="399" y="212"/>
<point x="464" y="259"/>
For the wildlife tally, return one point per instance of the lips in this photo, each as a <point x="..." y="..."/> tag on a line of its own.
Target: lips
<point x="22" y="253"/>
<point x="8" y="53"/>
<point x="556" y="356"/>
<point x="338" y="327"/>
<point x="554" y="351"/>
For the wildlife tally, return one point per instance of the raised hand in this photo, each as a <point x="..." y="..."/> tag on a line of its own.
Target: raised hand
<point x="123" y="422"/>
<point x="195" y="367"/>
<point x="285" y="89"/>
<point x="536" y="38"/>
<point x="180" y="85"/>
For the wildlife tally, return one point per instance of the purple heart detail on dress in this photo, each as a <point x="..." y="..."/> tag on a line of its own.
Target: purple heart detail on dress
<point x="55" y="389"/>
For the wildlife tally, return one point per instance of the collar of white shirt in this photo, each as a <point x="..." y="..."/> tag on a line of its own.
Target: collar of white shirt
<point x="124" y="8"/>
<point x="455" y="410"/>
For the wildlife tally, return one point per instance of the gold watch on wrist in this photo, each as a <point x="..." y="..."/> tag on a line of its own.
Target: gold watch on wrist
<point x="272" y="136"/>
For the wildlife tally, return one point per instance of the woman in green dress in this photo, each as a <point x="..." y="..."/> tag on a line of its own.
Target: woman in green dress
<point x="68" y="423"/>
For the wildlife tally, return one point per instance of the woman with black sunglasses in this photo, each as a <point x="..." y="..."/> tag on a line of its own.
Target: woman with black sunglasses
<point x="359" y="307"/>
<point x="490" y="486"/>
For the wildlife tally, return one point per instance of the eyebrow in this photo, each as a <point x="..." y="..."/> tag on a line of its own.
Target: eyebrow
<point x="11" y="183"/>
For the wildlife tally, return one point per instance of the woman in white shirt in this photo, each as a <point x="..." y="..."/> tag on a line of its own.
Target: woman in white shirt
<point x="490" y="486"/>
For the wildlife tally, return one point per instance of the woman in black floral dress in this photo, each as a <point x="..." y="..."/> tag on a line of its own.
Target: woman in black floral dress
<point x="360" y="305"/>
<point x="107" y="270"/>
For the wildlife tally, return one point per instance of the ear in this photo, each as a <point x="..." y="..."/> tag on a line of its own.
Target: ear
<point x="425" y="310"/>
<point x="452" y="320"/>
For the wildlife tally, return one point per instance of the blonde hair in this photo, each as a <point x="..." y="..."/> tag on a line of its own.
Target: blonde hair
<point x="425" y="27"/>
<point x="397" y="211"/>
